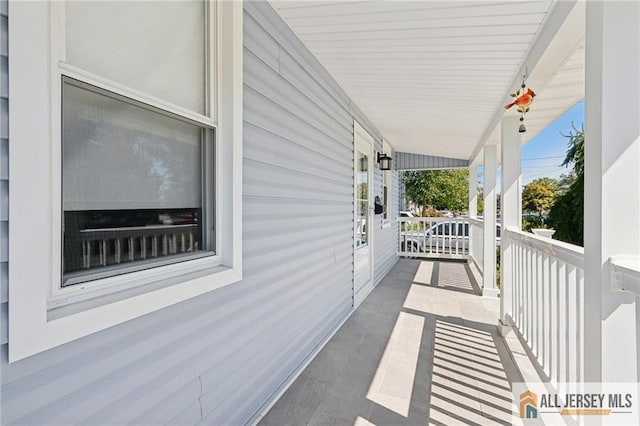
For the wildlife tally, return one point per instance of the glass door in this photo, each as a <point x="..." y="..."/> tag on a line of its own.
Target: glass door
<point x="363" y="214"/>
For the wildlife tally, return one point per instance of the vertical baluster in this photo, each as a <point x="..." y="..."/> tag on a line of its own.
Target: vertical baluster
<point x="540" y="302"/>
<point x="165" y="244"/>
<point x="562" y="326"/>
<point x="182" y="243"/>
<point x="190" y="241"/>
<point x="522" y="278"/>
<point x="527" y="306"/>
<point x="154" y="246"/>
<point x="532" y="295"/>
<point x="103" y="252"/>
<point x="580" y="325"/>
<point x="572" y="332"/>
<point x="514" y="279"/>
<point x="118" y="250"/>
<point x="554" y="323"/>
<point x="86" y="254"/>
<point x="132" y="247"/>
<point x="143" y="247"/>
<point x="546" y="315"/>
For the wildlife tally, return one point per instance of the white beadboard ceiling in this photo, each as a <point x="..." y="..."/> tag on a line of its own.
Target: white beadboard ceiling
<point x="431" y="75"/>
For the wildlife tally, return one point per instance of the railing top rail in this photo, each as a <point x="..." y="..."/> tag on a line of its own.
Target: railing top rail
<point x="625" y="274"/>
<point x="433" y="219"/>
<point x="568" y="253"/>
<point x="476" y="220"/>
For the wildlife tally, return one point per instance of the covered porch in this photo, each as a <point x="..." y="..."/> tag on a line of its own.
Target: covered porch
<point x="570" y="312"/>
<point x="421" y="349"/>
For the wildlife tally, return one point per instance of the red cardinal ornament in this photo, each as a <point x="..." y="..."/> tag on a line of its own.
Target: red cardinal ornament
<point x="522" y="101"/>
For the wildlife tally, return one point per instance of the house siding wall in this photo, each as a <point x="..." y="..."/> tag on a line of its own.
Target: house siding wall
<point x="411" y="161"/>
<point x="221" y="357"/>
<point x="4" y="170"/>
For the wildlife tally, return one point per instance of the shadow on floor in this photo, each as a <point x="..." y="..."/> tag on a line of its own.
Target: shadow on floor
<point x="422" y="349"/>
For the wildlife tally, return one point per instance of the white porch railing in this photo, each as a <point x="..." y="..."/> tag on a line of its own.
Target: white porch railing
<point x="439" y="237"/>
<point x="476" y="244"/>
<point x="545" y="301"/>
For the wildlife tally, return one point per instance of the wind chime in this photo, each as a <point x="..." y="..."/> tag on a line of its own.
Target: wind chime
<point x="523" y="99"/>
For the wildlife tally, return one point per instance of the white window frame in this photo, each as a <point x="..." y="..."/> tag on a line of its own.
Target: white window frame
<point x="42" y="313"/>
<point x="387" y="181"/>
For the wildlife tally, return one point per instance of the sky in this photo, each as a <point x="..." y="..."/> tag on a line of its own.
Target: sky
<point x="542" y="155"/>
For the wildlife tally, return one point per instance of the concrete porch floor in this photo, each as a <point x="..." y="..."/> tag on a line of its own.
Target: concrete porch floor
<point x="421" y="349"/>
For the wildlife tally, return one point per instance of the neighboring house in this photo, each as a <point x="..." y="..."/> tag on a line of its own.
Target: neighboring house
<point x="186" y="191"/>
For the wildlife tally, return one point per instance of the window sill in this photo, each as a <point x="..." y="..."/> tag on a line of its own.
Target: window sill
<point x="93" y="294"/>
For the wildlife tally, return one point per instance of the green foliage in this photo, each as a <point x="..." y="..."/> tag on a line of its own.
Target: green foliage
<point x="439" y="189"/>
<point x="567" y="214"/>
<point x="538" y="196"/>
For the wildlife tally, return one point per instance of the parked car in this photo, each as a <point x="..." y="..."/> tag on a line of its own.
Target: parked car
<point x="442" y="237"/>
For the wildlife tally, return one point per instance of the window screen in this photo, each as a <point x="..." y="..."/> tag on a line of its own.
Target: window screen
<point x="132" y="182"/>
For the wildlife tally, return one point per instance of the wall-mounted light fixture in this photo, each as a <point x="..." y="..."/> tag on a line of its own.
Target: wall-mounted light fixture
<point x="384" y="160"/>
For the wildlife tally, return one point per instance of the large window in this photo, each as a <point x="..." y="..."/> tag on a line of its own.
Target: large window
<point x="126" y="152"/>
<point x="136" y="185"/>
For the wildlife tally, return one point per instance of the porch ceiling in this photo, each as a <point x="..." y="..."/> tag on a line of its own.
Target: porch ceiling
<point x="430" y="75"/>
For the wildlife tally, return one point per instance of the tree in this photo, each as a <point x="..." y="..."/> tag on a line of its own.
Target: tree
<point x="567" y="213"/>
<point x="440" y="189"/>
<point x="538" y="196"/>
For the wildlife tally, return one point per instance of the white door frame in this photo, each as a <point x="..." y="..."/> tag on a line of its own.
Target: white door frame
<point x="361" y="138"/>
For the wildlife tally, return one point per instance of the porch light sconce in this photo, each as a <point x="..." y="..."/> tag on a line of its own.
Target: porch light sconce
<point x="384" y="160"/>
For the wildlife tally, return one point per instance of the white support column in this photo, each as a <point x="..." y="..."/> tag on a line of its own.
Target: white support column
<point x="473" y="202"/>
<point x="489" y="244"/>
<point x="473" y="189"/>
<point x="612" y="179"/>
<point x="511" y="205"/>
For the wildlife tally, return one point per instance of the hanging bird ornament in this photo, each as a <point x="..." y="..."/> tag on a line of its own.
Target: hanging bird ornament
<point x="523" y="100"/>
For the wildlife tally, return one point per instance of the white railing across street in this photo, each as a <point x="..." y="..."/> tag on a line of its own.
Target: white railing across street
<point x="545" y="301"/>
<point x="440" y="237"/>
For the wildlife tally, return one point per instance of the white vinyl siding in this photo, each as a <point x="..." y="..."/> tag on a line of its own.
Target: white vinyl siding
<point x="4" y="172"/>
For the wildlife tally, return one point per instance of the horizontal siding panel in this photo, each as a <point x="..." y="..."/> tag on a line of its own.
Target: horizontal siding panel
<point x="269" y="19"/>
<point x="189" y="416"/>
<point x="4" y="76"/>
<point x="263" y="146"/>
<point x="262" y="112"/>
<point x="4" y="159"/>
<point x="411" y="161"/>
<point x="260" y="44"/>
<point x="4" y="200"/>
<point x="4" y="35"/>
<point x="4" y="241"/>
<point x="294" y="346"/>
<point x="296" y="75"/>
<point x="269" y="183"/>
<point x="4" y="316"/>
<point x="4" y="118"/>
<point x="173" y="405"/>
<point x="272" y="86"/>
<point x="148" y="393"/>
<point x="4" y="282"/>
